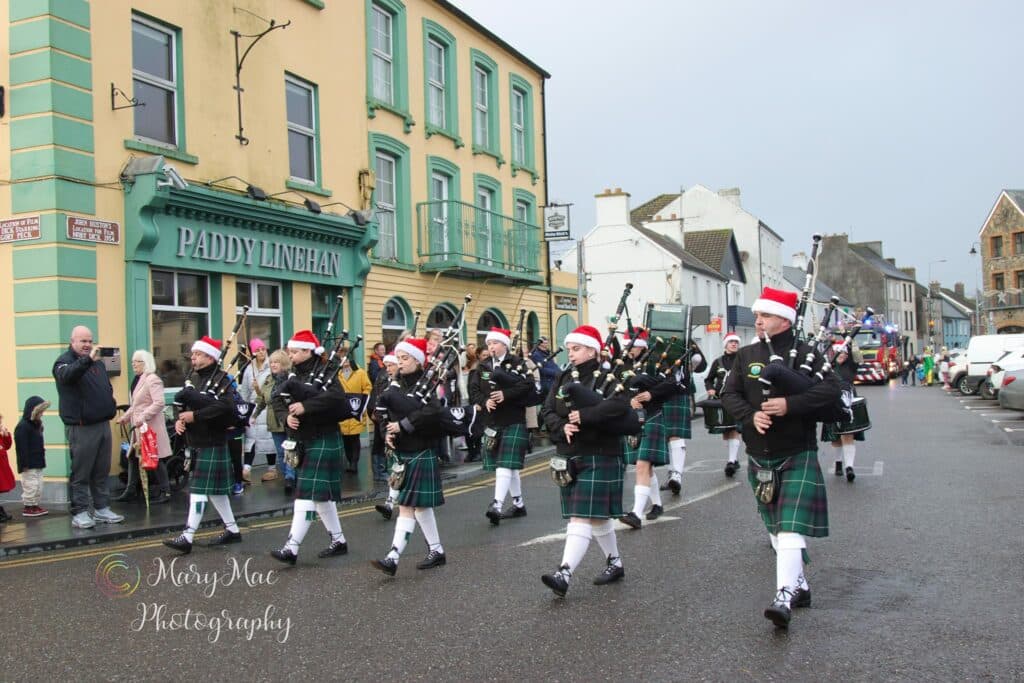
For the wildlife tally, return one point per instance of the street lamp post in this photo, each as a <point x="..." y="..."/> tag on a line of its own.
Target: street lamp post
<point x="931" y="305"/>
<point x="979" y="292"/>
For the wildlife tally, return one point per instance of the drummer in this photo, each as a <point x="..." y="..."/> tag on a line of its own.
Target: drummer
<point x="713" y="383"/>
<point x="843" y="446"/>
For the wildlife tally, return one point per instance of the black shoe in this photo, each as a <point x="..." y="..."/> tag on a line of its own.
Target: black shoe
<point x="434" y="558"/>
<point x="675" y="486"/>
<point x="289" y="487"/>
<point x="631" y="520"/>
<point x="284" y="555"/>
<point x="227" y="537"/>
<point x="611" y="574"/>
<point x="513" y="512"/>
<point x="839" y="468"/>
<point x="801" y="598"/>
<point x="387" y="565"/>
<point x="850" y="474"/>
<point x="126" y="496"/>
<point x="164" y="497"/>
<point x="494" y="513"/>
<point x="655" y="512"/>
<point x="779" y="611"/>
<point x="335" y="548"/>
<point x="384" y="510"/>
<point x="181" y="544"/>
<point x="730" y="468"/>
<point x="557" y="582"/>
<point x="4" y="517"/>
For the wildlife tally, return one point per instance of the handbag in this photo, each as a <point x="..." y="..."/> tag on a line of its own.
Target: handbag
<point x="149" y="456"/>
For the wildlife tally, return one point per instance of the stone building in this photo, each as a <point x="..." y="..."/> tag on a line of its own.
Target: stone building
<point x="1002" y="263"/>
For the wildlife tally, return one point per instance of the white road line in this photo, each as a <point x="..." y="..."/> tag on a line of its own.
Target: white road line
<point x="619" y="526"/>
<point x="1010" y="429"/>
<point x="876" y="471"/>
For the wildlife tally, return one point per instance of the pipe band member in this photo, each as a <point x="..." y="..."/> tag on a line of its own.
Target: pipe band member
<point x="594" y="497"/>
<point x="314" y="421"/>
<point x="779" y="433"/>
<point x="676" y="414"/>
<point x="713" y="383"/>
<point x="205" y="423"/>
<point x="844" y="446"/>
<point x="500" y="397"/>
<point x="412" y="433"/>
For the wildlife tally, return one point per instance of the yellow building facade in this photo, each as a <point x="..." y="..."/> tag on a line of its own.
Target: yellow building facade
<point x="172" y="162"/>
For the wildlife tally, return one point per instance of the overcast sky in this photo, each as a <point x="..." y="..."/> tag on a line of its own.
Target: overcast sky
<point x="892" y="121"/>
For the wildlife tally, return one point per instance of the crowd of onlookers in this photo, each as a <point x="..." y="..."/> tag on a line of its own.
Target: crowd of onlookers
<point x="927" y="368"/>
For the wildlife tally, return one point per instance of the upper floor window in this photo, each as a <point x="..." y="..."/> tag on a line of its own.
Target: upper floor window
<point x="300" y="99"/>
<point x="521" y="99"/>
<point x="1019" y="277"/>
<point x="440" y="81"/>
<point x="387" y="207"/>
<point x="1018" y="243"/>
<point x="383" y="56"/>
<point x="518" y="127"/>
<point x="997" y="246"/>
<point x="998" y="281"/>
<point x="436" y="79"/>
<point x="391" y="197"/>
<point x="387" y="85"/>
<point x="485" y="105"/>
<point x="155" y="81"/>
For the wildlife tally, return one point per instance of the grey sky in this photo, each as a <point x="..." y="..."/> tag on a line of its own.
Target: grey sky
<point x="893" y="121"/>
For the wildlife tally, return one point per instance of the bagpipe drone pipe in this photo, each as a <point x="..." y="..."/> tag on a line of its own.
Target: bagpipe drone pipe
<point x="580" y="394"/>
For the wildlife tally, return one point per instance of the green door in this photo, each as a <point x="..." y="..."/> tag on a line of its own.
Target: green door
<point x="563" y="326"/>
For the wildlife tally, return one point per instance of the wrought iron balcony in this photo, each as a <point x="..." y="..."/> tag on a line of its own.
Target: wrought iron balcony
<point x="467" y="241"/>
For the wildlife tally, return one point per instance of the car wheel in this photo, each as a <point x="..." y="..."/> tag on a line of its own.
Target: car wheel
<point x="965" y="387"/>
<point x="986" y="391"/>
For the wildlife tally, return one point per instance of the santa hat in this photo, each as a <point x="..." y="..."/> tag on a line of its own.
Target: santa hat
<point x="417" y="348"/>
<point x="500" y="335"/>
<point x="209" y="346"/>
<point x="732" y="336"/>
<point x="391" y="358"/>
<point x="839" y="347"/>
<point x="639" y="338"/>
<point x="585" y="335"/>
<point x="305" y="339"/>
<point x="776" y="302"/>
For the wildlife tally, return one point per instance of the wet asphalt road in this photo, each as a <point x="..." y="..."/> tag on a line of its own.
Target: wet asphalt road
<point x="920" y="580"/>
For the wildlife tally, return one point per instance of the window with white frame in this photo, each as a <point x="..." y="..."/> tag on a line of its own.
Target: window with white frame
<point x="485" y="222"/>
<point x="383" y="56"/>
<point x="518" y="127"/>
<point x="521" y="231"/>
<point x="386" y="207"/>
<point x="264" y="319"/>
<point x="392" y="323"/>
<point x="181" y="314"/>
<point x="481" y="107"/>
<point x="155" y="81"/>
<point x="436" y="79"/>
<point x="300" y="98"/>
<point x="440" y="187"/>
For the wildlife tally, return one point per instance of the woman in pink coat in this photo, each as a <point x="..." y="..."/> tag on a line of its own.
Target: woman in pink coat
<point x="147" y="408"/>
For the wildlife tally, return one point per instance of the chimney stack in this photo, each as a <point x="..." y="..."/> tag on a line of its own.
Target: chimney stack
<point x="612" y="207"/>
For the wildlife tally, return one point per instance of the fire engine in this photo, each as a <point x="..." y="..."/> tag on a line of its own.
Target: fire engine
<point x="881" y="355"/>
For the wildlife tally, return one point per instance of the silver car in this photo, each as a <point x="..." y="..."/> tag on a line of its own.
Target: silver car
<point x="1011" y="394"/>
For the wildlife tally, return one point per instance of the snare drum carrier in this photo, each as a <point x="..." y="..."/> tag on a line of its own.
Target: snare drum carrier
<point x="856" y="420"/>
<point x="716" y="418"/>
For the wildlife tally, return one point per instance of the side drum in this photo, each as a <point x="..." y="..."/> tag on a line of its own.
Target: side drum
<point x="716" y="419"/>
<point x="860" y="421"/>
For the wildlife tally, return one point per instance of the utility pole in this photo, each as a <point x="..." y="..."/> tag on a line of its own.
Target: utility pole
<point x="581" y="282"/>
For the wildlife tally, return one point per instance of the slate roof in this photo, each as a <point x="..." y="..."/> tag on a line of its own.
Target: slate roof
<point x="708" y="245"/>
<point x="879" y="263"/>
<point x="965" y="304"/>
<point x="648" y="210"/>
<point x="672" y="247"/>
<point x="951" y="311"/>
<point x="1017" y="197"/>
<point x="822" y="292"/>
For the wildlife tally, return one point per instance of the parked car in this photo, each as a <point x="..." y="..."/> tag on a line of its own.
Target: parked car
<point x="982" y="351"/>
<point x="1011" y="393"/>
<point x="1011" y="360"/>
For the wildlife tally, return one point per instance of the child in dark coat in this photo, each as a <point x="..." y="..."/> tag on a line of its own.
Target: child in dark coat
<point x="28" y="441"/>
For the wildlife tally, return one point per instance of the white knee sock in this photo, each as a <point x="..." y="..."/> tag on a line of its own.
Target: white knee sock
<point x="789" y="560"/>
<point x="303" y="516"/>
<point x="655" y="491"/>
<point x="677" y="458"/>
<point x="502" y="482"/>
<point x="515" y="489"/>
<point x="774" y="541"/>
<point x="428" y="525"/>
<point x="577" y="540"/>
<point x="392" y="497"/>
<point x="604" y="534"/>
<point x="734" y="450"/>
<point x="640" y="496"/>
<point x="849" y="452"/>
<point x="403" y="531"/>
<point x="196" y="506"/>
<point x="328" y="512"/>
<point x="837" y="452"/>
<point x="223" y="506"/>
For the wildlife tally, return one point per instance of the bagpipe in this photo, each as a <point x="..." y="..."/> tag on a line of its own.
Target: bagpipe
<point x="579" y="394"/>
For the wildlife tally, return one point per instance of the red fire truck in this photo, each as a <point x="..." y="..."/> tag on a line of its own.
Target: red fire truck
<point x="881" y="355"/>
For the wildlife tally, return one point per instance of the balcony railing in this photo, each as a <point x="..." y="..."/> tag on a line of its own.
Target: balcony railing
<point x="999" y="299"/>
<point x="468" y="241"/>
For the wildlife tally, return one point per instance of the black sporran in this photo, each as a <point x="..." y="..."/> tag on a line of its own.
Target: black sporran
<point x="490" y="440"/>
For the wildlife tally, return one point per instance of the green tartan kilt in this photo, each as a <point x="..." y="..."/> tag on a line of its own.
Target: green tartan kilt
<point x="422" y="485"/>
<point x="828" y="433"/>
<point x="653" y="445"/>
<point x="211" y="471"/>
<point x="676" y="413"/>
<point x="511" y="451"/>
<point x="596" y="493"/>
<point x="319" y="475"/>
<point x="800" y="506"/>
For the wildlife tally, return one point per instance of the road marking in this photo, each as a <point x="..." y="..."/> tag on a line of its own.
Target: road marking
<point x="1010" y="429"/>
<point x="619" y="526"/>
<point x="876" y="471"/>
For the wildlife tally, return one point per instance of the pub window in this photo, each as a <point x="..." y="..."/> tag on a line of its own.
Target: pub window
<point x="181" y="311"/>
<point x="997" y="246"/>
<point x="323" y="299"/>
<point x="393" y="322"/>
<point x="440" y="317"/>
<point x="155" y="81"/>
<point x="488" y="320"/>
<point x="264" y="319"/>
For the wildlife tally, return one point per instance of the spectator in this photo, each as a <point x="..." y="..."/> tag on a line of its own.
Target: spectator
<point x="280" y="364"/>
<point x="376" y="361"/>
<point x="6" y="476"/>
<point x="353" y="380"/>
<point x="147" y="408"/>
<point x="86" y="406"/>
<point x="31" y="448"/>
<point x="929" y="366"/>
<point x="944" y="368"/>
<point x="912" y="370"/>
<point x="548" y="367"/>
<point x="258" y="440"/>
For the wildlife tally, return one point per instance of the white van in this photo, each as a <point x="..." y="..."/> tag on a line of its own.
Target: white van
<point x="982" y="351"/>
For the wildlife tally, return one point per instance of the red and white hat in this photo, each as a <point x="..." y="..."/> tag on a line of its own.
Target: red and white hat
<point x="839" y="347"/>
<point x="500" y="335"/>
<point x="732" y="336"/>
<point x="391" y="358"/>
<point x="776" y="302"/>
<point x="417" y="348"/>
<point x="585" y="335"/>
<point x="305" y="339"/>
<point x="640" y="336"/>
<point x="209" y="346"/>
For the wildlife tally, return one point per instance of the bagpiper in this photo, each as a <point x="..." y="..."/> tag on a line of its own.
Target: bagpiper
<point x="713" y="383"/>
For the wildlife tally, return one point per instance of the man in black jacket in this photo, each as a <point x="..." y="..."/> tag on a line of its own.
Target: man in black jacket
<point x="779" y="432"/>
<point x="86" y="407"/>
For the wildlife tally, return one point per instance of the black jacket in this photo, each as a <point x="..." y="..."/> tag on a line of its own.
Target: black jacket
<point x="28" y="436"/>
<point x="662" y="387"/>
<point x="420" y="423"/>
<point x="86" y="396"/>
<point x="513" y="409"/>
<point x="591" y="439"/>
<point x="743" y="394"/>
<point x="213" y="419"/>
<point x="719" y="368"/>
<point x="322" y="411"/>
